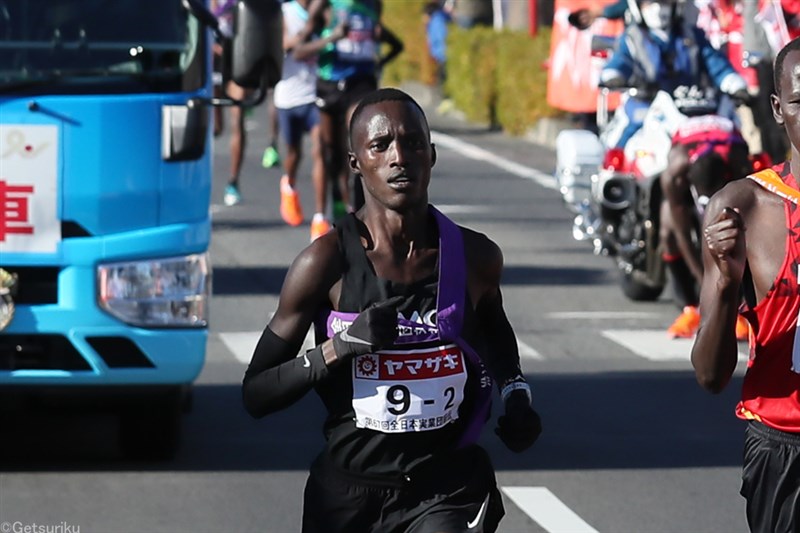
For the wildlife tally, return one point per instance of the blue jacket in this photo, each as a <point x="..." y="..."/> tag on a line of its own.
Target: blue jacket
<point x="642" y="59"/>
<point x="437" y="35"/>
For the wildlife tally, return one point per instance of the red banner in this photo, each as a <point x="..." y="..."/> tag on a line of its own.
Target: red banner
<point x="573" y="73"/>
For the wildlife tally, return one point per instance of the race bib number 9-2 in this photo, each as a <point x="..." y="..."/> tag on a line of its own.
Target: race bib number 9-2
<point x="408" y="390"/>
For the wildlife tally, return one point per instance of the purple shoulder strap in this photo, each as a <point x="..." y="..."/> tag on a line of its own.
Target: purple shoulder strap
<point x="452" y="278"/>
<point x="450" y="319"/>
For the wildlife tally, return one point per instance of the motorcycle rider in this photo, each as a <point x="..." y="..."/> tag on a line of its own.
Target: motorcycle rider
<point x="661" y="51"/>
<point x="707" y="152"/>
<point x="664" y="52"/>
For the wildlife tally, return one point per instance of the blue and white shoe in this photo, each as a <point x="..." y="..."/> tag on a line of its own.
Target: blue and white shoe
<point x="232" y="196"/>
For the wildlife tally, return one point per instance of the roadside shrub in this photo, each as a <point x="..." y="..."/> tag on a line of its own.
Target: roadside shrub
<point x="471" y="71"/>
<point x="494" y="78"/>
<point x="522" y="80"/>
<point x="404" y="18"/>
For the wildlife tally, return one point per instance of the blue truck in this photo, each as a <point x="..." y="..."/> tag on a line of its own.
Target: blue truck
<point x="105" y="180"/>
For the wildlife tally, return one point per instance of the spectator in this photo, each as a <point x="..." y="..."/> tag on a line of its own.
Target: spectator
<point x="436" y="21"/>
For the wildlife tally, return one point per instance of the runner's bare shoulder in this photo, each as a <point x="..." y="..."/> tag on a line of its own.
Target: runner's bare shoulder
<point x="316" y="269"/>
<point x="742" y="194"/>
<point x="484" y="257"/>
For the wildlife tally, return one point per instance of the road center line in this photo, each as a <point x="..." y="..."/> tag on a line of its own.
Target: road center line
<point x="474" y="152"/>
<point x="547" y="510"/>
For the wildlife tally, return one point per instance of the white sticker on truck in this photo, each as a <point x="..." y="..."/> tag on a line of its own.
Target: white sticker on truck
<point x="29" y="189"/>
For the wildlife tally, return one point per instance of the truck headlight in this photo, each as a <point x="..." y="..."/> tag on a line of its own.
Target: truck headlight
<point x="170" y="292"/>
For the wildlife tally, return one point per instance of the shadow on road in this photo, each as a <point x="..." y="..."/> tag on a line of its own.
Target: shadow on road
<point x="231" y="280"/>
<point x="631" y="420"/>
<point x="245" y="224"/>
<point x="556" y="275"/>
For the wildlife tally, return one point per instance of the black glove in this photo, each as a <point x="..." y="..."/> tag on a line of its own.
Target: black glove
<point x="741" y="97"/>
<point x="520" y="426"/>
<point x="374" y="328"/>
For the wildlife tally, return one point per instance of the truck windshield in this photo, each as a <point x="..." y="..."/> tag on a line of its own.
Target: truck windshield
<point x="98" y="46"/>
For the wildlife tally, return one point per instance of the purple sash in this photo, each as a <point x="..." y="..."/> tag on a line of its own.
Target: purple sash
<point x="450" y="302"/>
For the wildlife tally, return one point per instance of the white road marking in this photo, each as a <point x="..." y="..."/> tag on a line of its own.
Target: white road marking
<point x="242" y="343"/>
<point x="527" y="351"/>
<point x="473" y="152"/>
<point x="547" y="510"/>
<point x="655" y="345"/>
<point x="592" y="315"/>
<point x="462" y="209"/>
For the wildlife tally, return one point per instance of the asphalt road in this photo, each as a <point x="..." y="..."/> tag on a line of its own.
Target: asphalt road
<point x="630" y="443"/>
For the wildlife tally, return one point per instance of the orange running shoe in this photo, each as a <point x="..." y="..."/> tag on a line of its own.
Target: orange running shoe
<point x="291" y="210"/>
<point x="319" y="227"/>
<point x="685" y="326"/>
<point x="742" y="328"/>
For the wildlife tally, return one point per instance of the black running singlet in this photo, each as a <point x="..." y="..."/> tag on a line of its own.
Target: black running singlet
<point x="391" y="411"/>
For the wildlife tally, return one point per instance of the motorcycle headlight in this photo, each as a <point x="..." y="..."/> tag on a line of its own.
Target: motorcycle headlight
<point x="170" y="292"/>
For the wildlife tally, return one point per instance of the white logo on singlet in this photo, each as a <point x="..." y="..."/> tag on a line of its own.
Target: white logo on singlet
<point x="477" y="519"/>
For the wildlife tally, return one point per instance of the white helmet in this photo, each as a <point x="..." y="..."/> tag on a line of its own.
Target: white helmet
<point x="654" y="14"/>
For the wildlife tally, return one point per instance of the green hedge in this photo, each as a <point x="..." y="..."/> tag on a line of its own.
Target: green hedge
<point x="499" y="77"/>
<point x="471" y="67"/>
<point x="493" y="77"/>
<point x="404" y="18"/>
<point x="521" y="80"/>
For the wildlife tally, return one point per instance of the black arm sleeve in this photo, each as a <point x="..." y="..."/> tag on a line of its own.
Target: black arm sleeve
<point x="503" y="353"/>
<point x="275" y="378"/>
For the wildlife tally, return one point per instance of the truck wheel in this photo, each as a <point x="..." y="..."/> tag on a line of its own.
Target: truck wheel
<point x="637" y="290"/>
<point x="151" y="431"/>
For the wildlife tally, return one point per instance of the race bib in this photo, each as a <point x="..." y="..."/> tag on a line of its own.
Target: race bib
<point x="357" y="48"/>
<point x="402" y="391"/>
<point x="359" y="44"/>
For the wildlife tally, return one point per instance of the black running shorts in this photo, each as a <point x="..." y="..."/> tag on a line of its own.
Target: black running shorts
<point x="459" y="495"/>
<point x="771" y="479"/>
<point x="337" y="96"/>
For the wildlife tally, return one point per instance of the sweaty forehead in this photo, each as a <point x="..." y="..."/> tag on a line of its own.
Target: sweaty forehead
<point x="385" y="117"/>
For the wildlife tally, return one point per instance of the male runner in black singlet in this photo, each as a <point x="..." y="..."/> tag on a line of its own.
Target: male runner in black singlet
<point x="411" y="336"/>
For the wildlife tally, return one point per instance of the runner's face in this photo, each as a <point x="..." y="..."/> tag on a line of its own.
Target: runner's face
<point x="393" y="153"/>
<point x="786" y="107"/>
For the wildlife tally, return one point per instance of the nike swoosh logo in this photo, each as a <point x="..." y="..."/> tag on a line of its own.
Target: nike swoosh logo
<point x="346" y="337"/>
<point x="477" y="520"/>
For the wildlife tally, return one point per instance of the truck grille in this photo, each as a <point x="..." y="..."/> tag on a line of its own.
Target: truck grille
<point x="119" y="352"/>
<point x="39" y="352"/>
<point x="35" y="285"/>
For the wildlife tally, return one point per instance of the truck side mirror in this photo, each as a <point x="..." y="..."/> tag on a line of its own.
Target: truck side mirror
<point x="257" y="55"/>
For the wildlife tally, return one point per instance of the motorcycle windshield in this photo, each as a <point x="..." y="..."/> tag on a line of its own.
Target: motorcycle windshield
<point x="98" y="46"/>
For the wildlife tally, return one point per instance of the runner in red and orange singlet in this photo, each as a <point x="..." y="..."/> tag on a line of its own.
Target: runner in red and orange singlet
<point x="752" y="247"/>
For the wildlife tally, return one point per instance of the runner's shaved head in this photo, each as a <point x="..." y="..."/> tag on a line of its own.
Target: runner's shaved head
<point x="388" y="94"/>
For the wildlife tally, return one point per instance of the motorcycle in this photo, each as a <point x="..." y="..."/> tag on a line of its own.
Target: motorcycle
<point x="615" y="193"/>
<point x="620" y="212"/>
